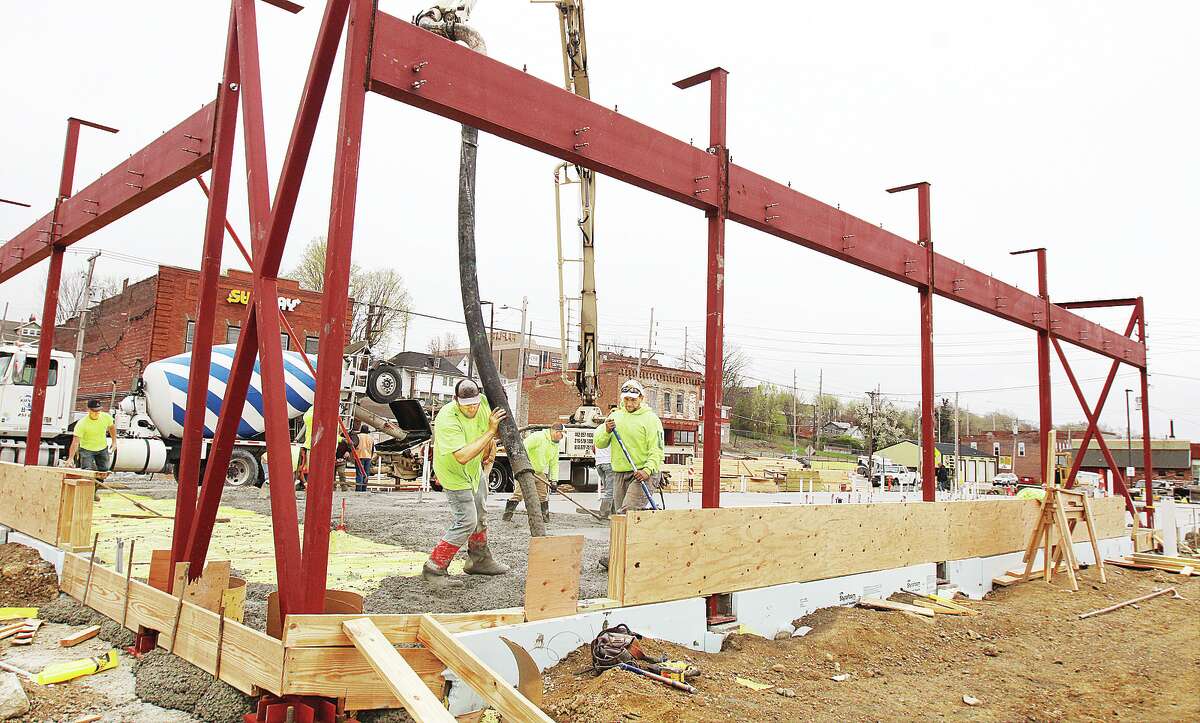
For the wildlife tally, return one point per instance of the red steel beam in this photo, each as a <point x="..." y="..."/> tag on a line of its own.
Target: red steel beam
<point x="210" y="272"/>
<point x="171" y="160"/>
<point x="1097" y="304"/>
<point x="1045" y="421"/>
<point x="714" y="325"/>
<point x="424" y="70"/>
<point x="1093" y="420"/>
<point x="326" y="413"/>
<point x="41" y="374"/>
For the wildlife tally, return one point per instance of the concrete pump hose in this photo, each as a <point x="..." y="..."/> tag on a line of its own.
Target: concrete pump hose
<point x="443" y="21"/>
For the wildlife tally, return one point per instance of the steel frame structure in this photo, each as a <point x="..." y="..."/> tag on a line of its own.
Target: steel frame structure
<point x="393" y="58"/>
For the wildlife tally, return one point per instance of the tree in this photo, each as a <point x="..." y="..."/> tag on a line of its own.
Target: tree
<point x="381" y="304"/>
<point x="440" y="346"/>
<point x="733" y="367"/>
<point x="879" y="420"/>
<point x="72" y="289"/>
<point x="945" y="420"/>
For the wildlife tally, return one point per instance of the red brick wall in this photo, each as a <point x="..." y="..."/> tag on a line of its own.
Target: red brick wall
<point x="147" y="321"/>
<point x="116" y="342"/>
<point x="1028" y="466"/>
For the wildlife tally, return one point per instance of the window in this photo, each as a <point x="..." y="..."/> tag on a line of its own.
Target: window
<point x="679" y="403"/>
<point x="232" y="332"/>
<point x="285" y="341"/>
<point x="189" y="335"/>
<point x="996" y="448"/>
<point x="25" y="376"/>
<point x="684" y="438"/>
<point x="1020" y="449"/>
<point x="311" y="344"/>
<point x="666" y="402"/>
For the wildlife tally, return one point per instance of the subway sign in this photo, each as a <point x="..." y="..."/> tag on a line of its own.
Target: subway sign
<point x="242" y="296"/>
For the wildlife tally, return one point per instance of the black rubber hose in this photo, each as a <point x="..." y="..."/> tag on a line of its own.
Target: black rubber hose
<point x="481" y="350"/>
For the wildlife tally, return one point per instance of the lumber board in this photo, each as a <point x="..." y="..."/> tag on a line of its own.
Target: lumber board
<point x="617" y="536"/>
<point x="325" y="631"/>
<point x="397" y="674"/>
<point x="249" y="659"/>
<point x="346" y="673"/>
<point x="552" y="578"/>
<point x="474" y="672"/>
<point x="206" y="590"/>
<point x="79" y="636"/>
<point x="676" y="554"/>
<point x="880" y="604"/>
<point x="51" y="504"/>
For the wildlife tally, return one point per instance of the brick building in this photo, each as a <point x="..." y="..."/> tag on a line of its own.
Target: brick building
<point x="1020" y="454"/>
<point x="674" y="394"/>
<point x="155" y="318"/>
<point x="507" y="347"/>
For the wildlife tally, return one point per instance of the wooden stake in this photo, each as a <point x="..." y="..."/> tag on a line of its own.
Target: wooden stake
<point x="220" y="638"/>
<point x="128" y="580"/>
<point x="1110" y="608"/>
<point x="91" y="563"/>
<point x="75" y="639"/>
<point x="179" y="606"/>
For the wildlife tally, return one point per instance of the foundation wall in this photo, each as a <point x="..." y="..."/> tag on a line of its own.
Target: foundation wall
<point x="678" y="554"/>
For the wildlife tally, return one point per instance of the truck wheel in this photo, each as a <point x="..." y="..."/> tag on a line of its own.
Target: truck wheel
<point x="383" y="384"/>
<point x="242" y="470"/>
<point x="501" y="479"/>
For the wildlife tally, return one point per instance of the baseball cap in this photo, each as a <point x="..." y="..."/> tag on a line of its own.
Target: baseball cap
<point x="94" y="404"/>
<point x="632" y="389"/>
<point x="467" y="392"/>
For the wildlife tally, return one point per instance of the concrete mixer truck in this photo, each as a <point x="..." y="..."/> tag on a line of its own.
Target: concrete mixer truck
<point x="150" y="421"/>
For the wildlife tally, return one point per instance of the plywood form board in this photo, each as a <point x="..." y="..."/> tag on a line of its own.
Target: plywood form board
<point x="399" y="677"/>
<point x="207" y="590"/>
<point x="474" y="672"/>
<point x="676" y="554"/>
<point x="33" y="503"/>
<point x="552" y="578"/>
<point x="346" y="673"/>
<point x="248" y="658"/>
<point x="617" y="533"/>
<point x="75" y="513"/>
<point x="324" y="631"/>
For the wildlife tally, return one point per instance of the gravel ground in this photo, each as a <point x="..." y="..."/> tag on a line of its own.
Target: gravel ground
<point x="399" y="518"/>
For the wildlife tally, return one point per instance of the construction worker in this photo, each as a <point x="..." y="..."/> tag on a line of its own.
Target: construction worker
<point x="365" y="451"/>
<point x="89" y="439"/>
<point x="638" y="455"/>
<point x="542" y="448"/>
<point x="305" y="450"/>
<point x="464" y="443"/>
<point x="604" y="470"/>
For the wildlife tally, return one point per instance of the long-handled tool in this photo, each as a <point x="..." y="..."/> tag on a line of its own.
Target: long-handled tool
<point x="569" y="498"/>
<point x="634" y="467"/>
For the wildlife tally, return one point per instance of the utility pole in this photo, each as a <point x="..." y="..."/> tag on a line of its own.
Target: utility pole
<point x="82" y="322"/>
<point x="795" y="419"/>
<point x="816" y="412"/>
<point x="649" y="345"/>
<point x="1129" y="440"/>
<point x="957" y="453"/>
<point x="1016" y="429"/>
<point x="521" y="359"/>
<point x="685" y="349"/>
<point x="873" y="396"/>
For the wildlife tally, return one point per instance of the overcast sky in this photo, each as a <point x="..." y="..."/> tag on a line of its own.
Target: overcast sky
<point x="1068" y="124"/>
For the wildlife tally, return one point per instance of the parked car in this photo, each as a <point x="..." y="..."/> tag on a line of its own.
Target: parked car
<point x="893" y="474"/>
<point x="1005" y="479"/>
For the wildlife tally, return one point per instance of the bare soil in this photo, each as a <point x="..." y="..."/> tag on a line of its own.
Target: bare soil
<point x="1027" y="657"/>
<point x="26" y="580"/>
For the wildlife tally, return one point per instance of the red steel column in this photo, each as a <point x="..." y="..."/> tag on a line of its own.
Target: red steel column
<point x="714" y="331"/>
<point x="225" y="129"/>
<point x="1045" y="421"/>
<point x="928" y="433"/>
<point x="1147" y="461"/>
<point x="326" y="417"/>
<point x="41" y="374"/>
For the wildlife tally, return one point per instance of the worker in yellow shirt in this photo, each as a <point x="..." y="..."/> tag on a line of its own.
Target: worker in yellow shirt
<point x="89" y="439"/>
<point x="542" y="448"/>
<point x="464" y="444"/>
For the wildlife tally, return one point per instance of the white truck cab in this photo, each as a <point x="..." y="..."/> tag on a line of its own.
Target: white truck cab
<point x="17" y="366"/>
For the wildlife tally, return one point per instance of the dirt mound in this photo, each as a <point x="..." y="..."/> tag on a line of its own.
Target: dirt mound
<point x="61" y="702"/>
<point x="1027" y="656"/>
<point x="171" y="682"/>
<point x="26" y="580"/>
